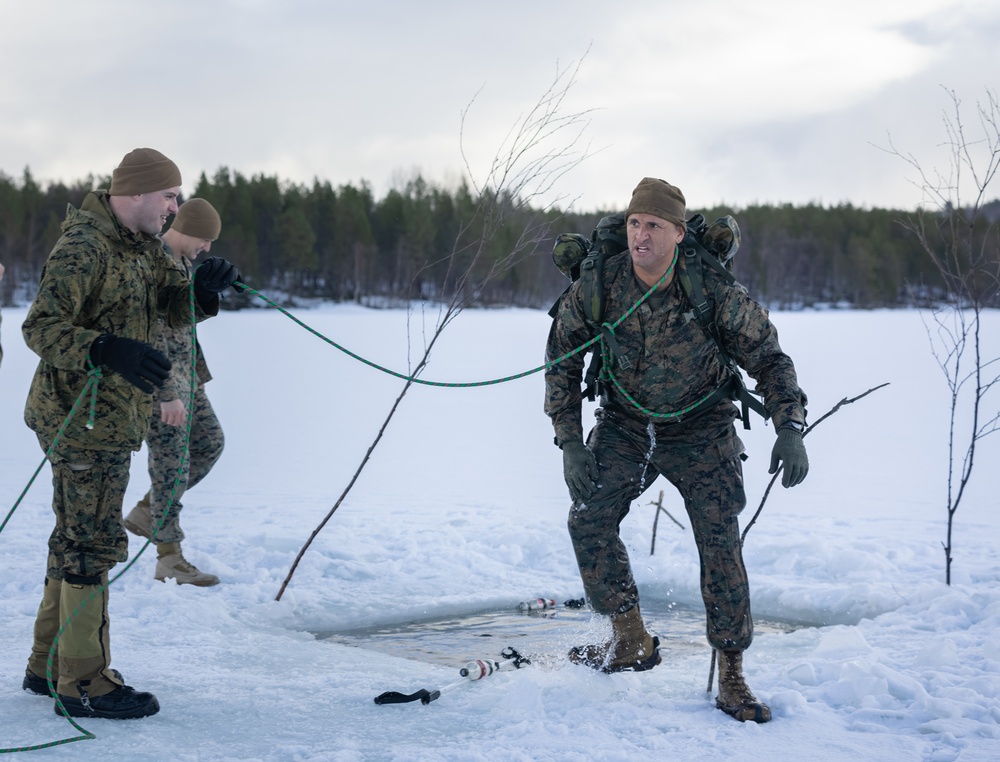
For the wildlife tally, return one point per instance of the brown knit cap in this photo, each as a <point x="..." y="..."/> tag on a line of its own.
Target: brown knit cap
<point x="144" y="170"/>
<point x="198" y="219"/>
<point x="659" y="198"/>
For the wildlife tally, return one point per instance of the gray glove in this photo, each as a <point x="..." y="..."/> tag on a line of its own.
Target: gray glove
<point x="579" y="470"/>
<point x="790" y="451"/>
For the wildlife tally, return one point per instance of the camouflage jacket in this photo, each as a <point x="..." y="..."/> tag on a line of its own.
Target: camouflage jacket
<point x="176" y="344"/>
<point x="675" y="362"/>
<point x="99" y="278"/>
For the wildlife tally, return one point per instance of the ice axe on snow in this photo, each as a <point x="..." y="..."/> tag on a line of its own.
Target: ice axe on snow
<point x="474" y="670"/>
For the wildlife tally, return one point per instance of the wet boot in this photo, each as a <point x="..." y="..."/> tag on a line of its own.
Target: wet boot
<point x="47" y="625"/>
<point x="735" y="697"/>
<point x="631" y="648"/>
<point x="171" y="564"/>
<point x="88" y="687"/>
<point x="139" y="520"/>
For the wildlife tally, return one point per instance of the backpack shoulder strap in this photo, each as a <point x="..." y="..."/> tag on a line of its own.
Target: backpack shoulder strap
<point x="692" y="281"/>
<point x="592" y="286"/>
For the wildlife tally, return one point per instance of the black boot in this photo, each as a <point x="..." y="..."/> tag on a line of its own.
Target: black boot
<point x="123" y="703"/>
<point x="32" y="683"/>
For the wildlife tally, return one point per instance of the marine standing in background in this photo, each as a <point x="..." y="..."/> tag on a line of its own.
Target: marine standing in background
<point x="175" y="463"/>
<point x="94" y="319"/>
<point x="675" y="363"/>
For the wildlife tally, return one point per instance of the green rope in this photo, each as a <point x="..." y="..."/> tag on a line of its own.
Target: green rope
<point x="93" y="379"/>
<point x="607" y="359"/>
<point x="652" y="414"/>
<point x="403" y="376"/>
<point x="94" y="376"/>
<point x="187" y="433"/>
<point x="460" y="385"/>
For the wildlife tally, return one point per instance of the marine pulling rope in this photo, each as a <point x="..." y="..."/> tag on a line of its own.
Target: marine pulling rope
<point x="94" y="375"/>
<point x="93" y="378"/>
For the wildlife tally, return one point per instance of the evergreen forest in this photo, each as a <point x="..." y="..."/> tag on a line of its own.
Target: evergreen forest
<point x="296" y="242"/>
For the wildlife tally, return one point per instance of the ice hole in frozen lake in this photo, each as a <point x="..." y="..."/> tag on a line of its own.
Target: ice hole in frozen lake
<point x="550" y="632"/>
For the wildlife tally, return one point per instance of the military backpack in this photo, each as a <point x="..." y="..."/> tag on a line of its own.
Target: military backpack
<point x="715" y="245"/>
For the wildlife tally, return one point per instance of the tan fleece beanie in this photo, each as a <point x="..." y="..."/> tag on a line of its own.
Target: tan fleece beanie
<point x="198" y="219"/>
<point x="144" y="170"/>
<point x="659" y="198"/>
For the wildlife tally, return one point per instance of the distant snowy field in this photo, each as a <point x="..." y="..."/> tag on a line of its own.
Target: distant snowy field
<point x="462" y="508"/>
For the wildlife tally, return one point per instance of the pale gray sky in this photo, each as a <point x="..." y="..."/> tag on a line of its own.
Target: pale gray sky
<point x="735" y="102"/>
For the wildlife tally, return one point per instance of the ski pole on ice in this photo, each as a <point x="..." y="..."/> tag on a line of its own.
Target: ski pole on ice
<point x="474" y="670"/>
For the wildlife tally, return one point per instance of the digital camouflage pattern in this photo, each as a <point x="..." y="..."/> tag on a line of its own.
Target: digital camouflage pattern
<point x="701" y="458"/>
<point x="88" y="487"/>
<point x="171" y="474"/>
<point x="176" y="341"/>
<point x="172" y="471"/>
<point x="567" y="253"/>
<point x="100" y="278"/>
<point x="674" y="362"/>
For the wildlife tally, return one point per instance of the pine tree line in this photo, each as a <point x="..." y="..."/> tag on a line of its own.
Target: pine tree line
<point x="343" y="244"/>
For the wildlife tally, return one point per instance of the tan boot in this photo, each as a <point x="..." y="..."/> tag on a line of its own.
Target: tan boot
<point x="139" y="520"/>
<point x="171" y="564"/>
<point x="735" y="697"/>
<point x="631" y="648"/>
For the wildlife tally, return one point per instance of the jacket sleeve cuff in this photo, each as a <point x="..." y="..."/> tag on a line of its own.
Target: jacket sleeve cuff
<point x="567" y="433"/>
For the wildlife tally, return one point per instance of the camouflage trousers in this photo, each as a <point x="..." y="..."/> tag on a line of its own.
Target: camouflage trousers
<point x="172" y="471"/>
<point x="702" y="459"/>
<point x="88" y="487"/>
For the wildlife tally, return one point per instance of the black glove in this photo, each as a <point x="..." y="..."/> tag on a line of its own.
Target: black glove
<point x="791" y="452"/>
<point x="215" y="275"/>
<point x="579" y="470"/>
<point x="138" y="363"/>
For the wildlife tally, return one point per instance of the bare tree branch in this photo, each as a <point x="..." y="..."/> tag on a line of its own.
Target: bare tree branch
<point x="805" y="433"/>
<point x="534" y="156"/>
<point x="964" y="247"/>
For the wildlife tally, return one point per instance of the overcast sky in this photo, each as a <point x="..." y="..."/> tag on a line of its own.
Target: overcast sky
<point x="735" y="102"/>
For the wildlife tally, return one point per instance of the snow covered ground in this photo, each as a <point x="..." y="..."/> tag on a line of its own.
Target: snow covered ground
<point x="462" y="509"/>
